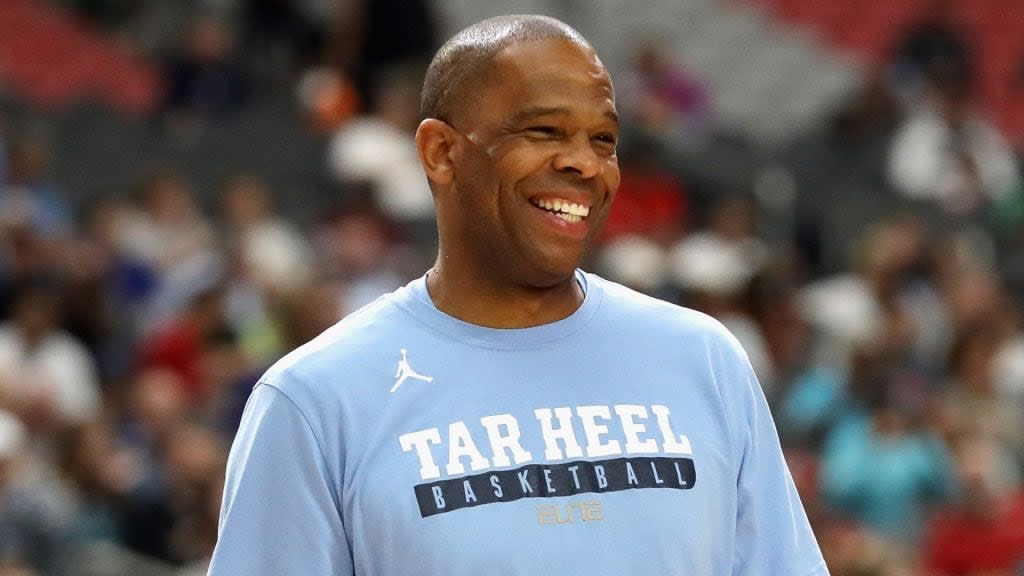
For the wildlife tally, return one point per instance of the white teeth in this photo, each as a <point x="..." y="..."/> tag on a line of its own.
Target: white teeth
<point x="565" y="208"/>
<point x="571" y="218"/>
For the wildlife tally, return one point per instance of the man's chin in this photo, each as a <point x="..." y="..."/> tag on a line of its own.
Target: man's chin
<point x="552" y="277"/>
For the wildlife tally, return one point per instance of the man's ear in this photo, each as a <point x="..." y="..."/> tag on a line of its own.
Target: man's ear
<point x="434" y="142"/>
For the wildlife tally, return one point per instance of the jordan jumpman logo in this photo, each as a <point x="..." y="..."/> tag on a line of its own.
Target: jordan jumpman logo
<point x="405" y="372"/>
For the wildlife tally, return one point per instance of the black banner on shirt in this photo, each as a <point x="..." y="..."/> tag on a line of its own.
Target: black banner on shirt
<point x="553" y="480"/>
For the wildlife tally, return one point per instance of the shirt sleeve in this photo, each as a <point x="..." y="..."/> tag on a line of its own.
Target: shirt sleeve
<point x="280" y="513"/>
<point x="773" y="536"/>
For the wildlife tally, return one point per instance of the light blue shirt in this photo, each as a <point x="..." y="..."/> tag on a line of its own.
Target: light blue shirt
<point x="629" y="438"/>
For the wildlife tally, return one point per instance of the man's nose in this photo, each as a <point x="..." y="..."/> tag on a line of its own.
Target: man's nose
<point x="579" y="157"/>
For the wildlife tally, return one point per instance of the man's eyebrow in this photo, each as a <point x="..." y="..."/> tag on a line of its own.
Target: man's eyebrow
<point x="540" y="111"/>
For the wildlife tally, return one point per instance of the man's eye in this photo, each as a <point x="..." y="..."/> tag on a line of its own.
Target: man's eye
<point x="606" y="142"/>
<point x="543" y="130"/>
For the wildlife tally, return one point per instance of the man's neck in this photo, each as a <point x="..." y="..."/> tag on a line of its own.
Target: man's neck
<point x="498" y="304"/>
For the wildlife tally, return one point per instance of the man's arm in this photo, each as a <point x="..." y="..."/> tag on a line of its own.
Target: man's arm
<point x="773" y="536"/>
<point x="280" y="513"/>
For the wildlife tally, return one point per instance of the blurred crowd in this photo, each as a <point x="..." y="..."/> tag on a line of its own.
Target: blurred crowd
<point x="132" y="329"/>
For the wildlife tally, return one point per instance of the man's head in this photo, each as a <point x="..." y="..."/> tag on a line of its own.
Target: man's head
<point x="518" y="143"/>
<point x="458" y="69"/>
<point x="36" y="306"/>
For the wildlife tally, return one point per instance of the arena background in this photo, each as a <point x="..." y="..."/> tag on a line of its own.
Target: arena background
<point x="190" y="188"/>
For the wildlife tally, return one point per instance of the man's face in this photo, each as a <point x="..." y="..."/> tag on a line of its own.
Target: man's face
<point x="536" y="170"/>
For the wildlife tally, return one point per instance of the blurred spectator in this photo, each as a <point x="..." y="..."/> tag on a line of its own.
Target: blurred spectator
<point x="105" y="288"/>
<point x="157" y="404"/>
<point x="715" y="269"/>
<point x="651" y="201"/>
<point x="268" y="259"/>
<point x="932" y="42"/>
<point x="173" y="239"/>
<point x="983" y="532"/>
<point x="95" y="473"/>
<point x="1008" y="376"/>
<point x="249" y="312"/>
<point x="852" y="550"/>
<point x="359" y="253"/>
<point x="327" y="98"/>
<point x="281" y="36"/>
<point x="112" y="230"/>
<point x="380" y="149"/>
<point x="310" y="311"/>
<point x="168" y="229"/>
<point x="85" y="270"/>
<point x="48" y="378"/>
<point x="275" y="256"/>
<point x="883" y="302"/>
<point x="773" y="300"/>
<point x="948" y="153"/>
<point x="232" y="370"/>
<point x="974" y="402"/>
<point x="880" y="467"/>
<point x="378" y="35"/>
<point x="205" y="80"/>
<point x="635" y="261"/>
<point x="976" y="302"/>
<point x="887" y="315"/>
<point x="146" y="514"/>
<point x="725" y="256"/>
<point x="30" y="200"/>
<point x="34" y="525"/>
<point x="661" y="97"/>
<point x="35" y="218"/>
<point x="813" y="403"/>
<point x="866" y="117"/>
<point x="180" y="343"/>
<point x="650" y="214"/>
<point x="195" y="463"/>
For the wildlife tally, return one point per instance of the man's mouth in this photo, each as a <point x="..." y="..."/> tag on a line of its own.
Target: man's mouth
<point x="568" y="211"/>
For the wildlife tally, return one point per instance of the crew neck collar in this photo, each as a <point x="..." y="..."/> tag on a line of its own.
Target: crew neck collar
<point x="415" y="298"/>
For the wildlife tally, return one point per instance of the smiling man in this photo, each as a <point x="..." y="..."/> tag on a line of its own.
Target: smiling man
<point x="508" y="413"/>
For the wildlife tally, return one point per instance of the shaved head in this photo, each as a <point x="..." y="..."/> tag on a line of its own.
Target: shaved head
<point x="462" y="64"/>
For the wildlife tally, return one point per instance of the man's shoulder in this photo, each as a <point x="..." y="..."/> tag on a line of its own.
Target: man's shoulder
<point x="628" y="307"/>
<point x="339" y="352"/>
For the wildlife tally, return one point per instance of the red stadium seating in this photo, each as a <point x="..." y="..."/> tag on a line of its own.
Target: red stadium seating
<point x="869" y="28"/>
<point x="50" y="59"/>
